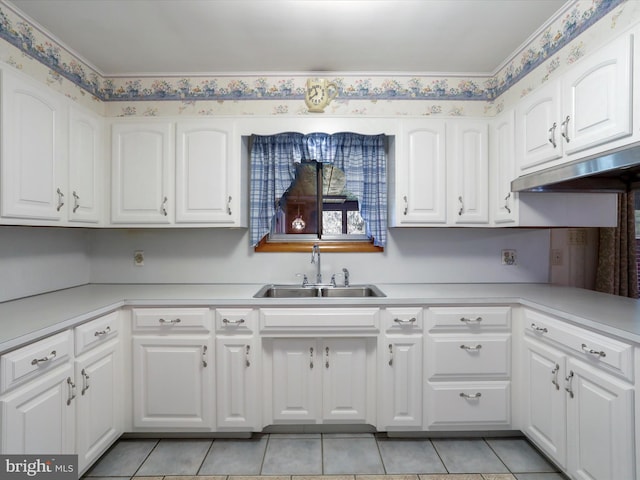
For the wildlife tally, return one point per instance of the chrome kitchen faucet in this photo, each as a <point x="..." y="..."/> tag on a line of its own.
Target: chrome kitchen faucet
<point x="315" y="258"/>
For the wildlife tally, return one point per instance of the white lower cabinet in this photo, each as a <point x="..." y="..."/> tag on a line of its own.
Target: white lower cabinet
<point x="172" y="382"/>
<point x="576" y="412"/>
<point x="400" y="370"/>
<point x="39" y="417"/>
<point x="237" y="371"/>
<point x="327" y="380"/>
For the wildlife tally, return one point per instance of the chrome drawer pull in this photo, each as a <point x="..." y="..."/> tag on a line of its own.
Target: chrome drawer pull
<point x="506" y="202"/>
<point x="471" y="395"/>
<point x="229" y="206"/>
<point x="471" y="320"/>
<point x="406" y="205"/>
<point x="204" y="356"/>
<point x="85" y="381"/>
<point x="552" y="134"/>
<point x="48" y="358"/>
<point x="76" y="201"/>
<point x="565" y="128"/>
<point x="311" y="358"/>
<point x="247" y="361"/>
<point x="569" y="387"/>
<point x="72" y="390"/>
<point x="163" y="206"/>
<point x="60" y="200"/>
<point x="174" y="321"/>
<point x="592" y="351"/>
<point x="106" y="331"/>
<point x="402" y="321"/>
<point x="391" y="355"/>
<point x="233" y="322"/>
<point x="537" y="329"/>
<point x="470" y="348"/>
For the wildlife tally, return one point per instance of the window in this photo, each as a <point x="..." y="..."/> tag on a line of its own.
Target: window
<point x="318" y="188"/>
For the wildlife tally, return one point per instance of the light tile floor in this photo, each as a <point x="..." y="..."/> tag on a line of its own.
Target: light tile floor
<point x="309" y="456"/>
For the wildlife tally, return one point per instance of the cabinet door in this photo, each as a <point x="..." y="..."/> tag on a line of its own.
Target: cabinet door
<point x="98" y="411"/>
<point x="421" y="174"/>
<point x="538" y="140"/>
<point x="142" y="156"/>
<point x="503" y="170"/>
<point x="545" y="400"/>
<point x="205" y="177"/>
<point x="85" y="166"/>
<point x="296" y="381"/>
<point x="597" y="97"/>
<point x="400" y="389"/>
<point x="346" y="384"/>
<point x="33" y="151"/>
<point x="39" y="417"/>
<point x="468" y="154"/>
<point x="172" y="382"/>
<point x="600" y="424"/>
<point x="237" y="383"/>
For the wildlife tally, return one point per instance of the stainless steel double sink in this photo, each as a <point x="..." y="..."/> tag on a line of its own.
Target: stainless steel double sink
<point x="313" y="291"/>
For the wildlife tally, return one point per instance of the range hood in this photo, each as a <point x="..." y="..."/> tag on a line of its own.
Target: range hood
<point x="616" y="171"/>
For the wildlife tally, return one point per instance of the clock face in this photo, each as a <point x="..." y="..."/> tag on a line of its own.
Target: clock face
<point x="319" y="94"/>
<point x="316" y="94"/>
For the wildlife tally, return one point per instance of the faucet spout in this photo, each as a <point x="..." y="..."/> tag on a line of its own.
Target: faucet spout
<point x="315" y="258"/>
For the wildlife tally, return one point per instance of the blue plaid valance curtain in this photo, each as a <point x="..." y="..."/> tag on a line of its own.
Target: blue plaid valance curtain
<point x="361" y="157"/>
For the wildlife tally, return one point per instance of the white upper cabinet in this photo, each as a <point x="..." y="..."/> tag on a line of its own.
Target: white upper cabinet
<point x="596" y="102"/>
<point x="33" y="175"/>
<point x="583" y="112"/>
<point x="421" y="174"/>
<point x="86" y="137"/>
<point x="468" y="155"/>
<point x="207" y="184"/>
<point x="504" y="202"/>
<point x="142" y="163"/>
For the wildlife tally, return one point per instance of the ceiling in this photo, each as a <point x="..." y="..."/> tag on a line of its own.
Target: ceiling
<point x="165" y="37"/>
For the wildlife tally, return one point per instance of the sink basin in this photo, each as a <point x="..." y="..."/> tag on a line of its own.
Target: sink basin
<point x="298" y="291"/>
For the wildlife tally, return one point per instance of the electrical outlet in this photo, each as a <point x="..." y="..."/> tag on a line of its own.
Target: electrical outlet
<point x="508" y="257"/>
<point x="556" y="256"/>
<point x="138" y="258"/>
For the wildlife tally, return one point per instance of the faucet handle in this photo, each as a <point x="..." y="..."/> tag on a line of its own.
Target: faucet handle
<point x="345" y="272"/>
<point x="305" y="279"/>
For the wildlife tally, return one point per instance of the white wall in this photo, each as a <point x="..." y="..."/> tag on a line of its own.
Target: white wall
<point x="224" y="256"/>
<point x="35" y="260"/>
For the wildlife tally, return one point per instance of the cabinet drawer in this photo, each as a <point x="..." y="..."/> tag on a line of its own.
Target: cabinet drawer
<point x="235" y="321"/>
<point x="402" y="320"/>
<point x="470" y="318"/>
<point x="174" y="320"/>
<point x="612" y="355"/>
<point x="468" y="404"/>
<point x="479" y="355"/>
<point x="33" y="359"/>
<point x="96" y="332"/>
<point x="321" y="320"/>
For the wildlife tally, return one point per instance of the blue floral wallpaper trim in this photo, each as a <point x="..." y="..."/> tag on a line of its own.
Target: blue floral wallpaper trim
<point x="190" y="89"/>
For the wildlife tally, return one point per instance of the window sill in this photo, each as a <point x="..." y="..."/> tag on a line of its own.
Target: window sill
<point x="325" y="245"/>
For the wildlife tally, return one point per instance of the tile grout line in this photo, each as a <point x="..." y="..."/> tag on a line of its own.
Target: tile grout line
<point x="205" y="457"/>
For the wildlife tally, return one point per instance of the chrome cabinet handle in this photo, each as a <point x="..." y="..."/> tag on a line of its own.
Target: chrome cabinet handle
<point x="326" y="352"/>
<point x="406" y="204"/>
<point x="569" y="387"/>
<point x="229" y="205"/>
<point x="163" y="206"/>
<point x="76" y="201"/>
<point x="470" y="320"/>
<point x="204" y="356"/>
<point x="247" y="354"/>
<point x="470" y="395"/>
<point x="506" y="202"/>
<point x="106" y="331"/>
<point x="85" y="381"/>
<point x="470" y="348"/>
<point x="311" y="358"/>
<point x="565" y="128"/>
<point x="174" y="321"/>
<point x="71" y="389"/>
<point x="552" y="134"/>
<point x="47" y="358"/>
<point x="461" y="211"/>
<point x="405" y="321"/>
<point x="390" y="355"/>
<point x="233" y="322"/>
<point x="591" y="351"/>
<point x="554" y="380"/>
<point x="538" y="329"/>
<point x="60" y="200"/>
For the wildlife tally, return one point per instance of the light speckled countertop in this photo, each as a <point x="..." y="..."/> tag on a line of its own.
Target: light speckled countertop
<point x="28" y="319"/>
